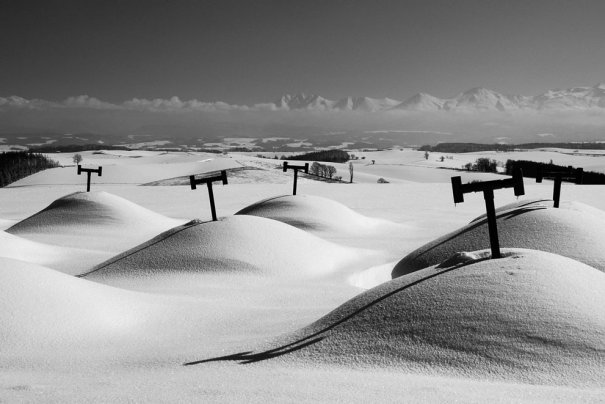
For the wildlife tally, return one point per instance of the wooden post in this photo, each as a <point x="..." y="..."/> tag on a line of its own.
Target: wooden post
<point x="208" y="181"/>
<point x="488" y="187"/>
<point x="559" y="176"/>
<point x="295" y="168"/>
<point x="88" y="172"/>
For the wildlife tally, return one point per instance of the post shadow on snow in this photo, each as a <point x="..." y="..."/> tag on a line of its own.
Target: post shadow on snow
<point x="248" y="357"/>
<point x="527" y="204"/>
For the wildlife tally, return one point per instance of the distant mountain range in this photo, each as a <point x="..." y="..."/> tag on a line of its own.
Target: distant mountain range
<point x="475" y="99"/>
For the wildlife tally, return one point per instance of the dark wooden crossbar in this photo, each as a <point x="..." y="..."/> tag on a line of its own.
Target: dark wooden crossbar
<point x="305" y="168"/>
<point x="488" y="187"/>
<point x="569" y="175"/>
<point x="208" y="181"/>
<point x="88" y="172"/>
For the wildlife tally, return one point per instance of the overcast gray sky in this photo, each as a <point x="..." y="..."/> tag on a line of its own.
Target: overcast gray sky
<point x="252" y="51"/>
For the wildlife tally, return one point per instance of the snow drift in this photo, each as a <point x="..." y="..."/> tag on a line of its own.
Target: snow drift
<point x="530" y="317"/>
<point x="94" y="220"/>
<point x="313" y="213"/>
<point x="245" y="244"/>
<point x="576" y="232"/>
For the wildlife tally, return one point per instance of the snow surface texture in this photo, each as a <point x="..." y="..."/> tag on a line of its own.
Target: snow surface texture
<point x="139" y="170"/>
<point x="93" y="220"/>
<point x="316" y="214"/>
<point x="578" y="233"/>
<point x="64" y="339"/>
<point x="246" y="244"/>
<point x="530" y="317"/>
<point x="63" y="259"/>
<point x="44" y="309"/>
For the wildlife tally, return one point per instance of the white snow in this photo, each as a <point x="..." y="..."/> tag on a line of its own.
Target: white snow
<point x="169" y="287"/>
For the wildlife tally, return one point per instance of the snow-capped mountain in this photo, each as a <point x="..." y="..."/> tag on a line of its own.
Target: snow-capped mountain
<point x="421" y="102"/>
<point x="481" y="99"/>
<point x="304" y="101"/>
<point x="573" y="98"/>
<point x="475" y="99"/>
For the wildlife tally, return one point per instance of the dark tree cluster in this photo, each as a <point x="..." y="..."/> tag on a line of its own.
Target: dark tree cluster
<point x="333" y="156"/>
<point x="467" y="147"/>
<point x="322" y="170"/>
<point x="530" y="170"/>
<point x="483" y="165"/>
<point x="17" y="165"/>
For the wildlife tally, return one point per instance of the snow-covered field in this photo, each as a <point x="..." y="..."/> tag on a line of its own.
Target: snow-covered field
<point x="130" y="293"/>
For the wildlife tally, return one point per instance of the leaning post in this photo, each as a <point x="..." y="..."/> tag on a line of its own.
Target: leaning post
<point x="488" y="187"/>
<point x="208" y="181"/>
<point x="89" y="171"/>
<point x="296" y="168"/>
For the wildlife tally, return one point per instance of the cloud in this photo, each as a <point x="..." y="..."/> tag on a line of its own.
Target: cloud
<point x="175" y="104"/>
<point x="84" y="101"/>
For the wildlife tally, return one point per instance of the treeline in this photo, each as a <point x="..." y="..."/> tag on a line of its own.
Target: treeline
<point x="467" y="147"/>
<point x="72" y="148"/>
<point x="334" y="156"/>
<point x="479" y="147"/>
<point x="530" y="170"/>
<point x="17" y="165"/>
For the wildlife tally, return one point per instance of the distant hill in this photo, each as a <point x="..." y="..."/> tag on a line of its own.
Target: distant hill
<point x="478" y="147"/>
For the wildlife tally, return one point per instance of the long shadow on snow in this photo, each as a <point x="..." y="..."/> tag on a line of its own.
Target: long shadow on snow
<point x="250" y="357"/>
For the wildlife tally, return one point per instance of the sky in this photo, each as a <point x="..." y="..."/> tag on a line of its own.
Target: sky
<point x="246" y="52"/>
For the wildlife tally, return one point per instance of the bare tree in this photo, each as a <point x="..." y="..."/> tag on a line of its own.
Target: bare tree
<point x="77" y="158"/>
<point x="351" y="171"/>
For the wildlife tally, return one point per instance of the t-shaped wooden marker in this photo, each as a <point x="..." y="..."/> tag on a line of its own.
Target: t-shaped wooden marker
<point x="89" y="171"/>
<point x="296" y="168"/>
<point x="488" y="188"/>
<point x="559" y="176"/>
<point x="209" y="181"/>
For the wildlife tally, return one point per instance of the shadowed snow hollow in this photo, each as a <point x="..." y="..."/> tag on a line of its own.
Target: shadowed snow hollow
<point x="237" y="243"/>
<point x="531" y="316"/>
<point x="314" y="213"/>
<point x="68" y="260"/>
<point x="576" y="231"/>
<point x="95" y="220"/>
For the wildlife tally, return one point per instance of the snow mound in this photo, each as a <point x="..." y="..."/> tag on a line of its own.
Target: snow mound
<point x="43" y="308"/>
<point x="68" y="260"/>
<point x="313" y="213"/>
<point x="530" y="317"/>
<point x="239" y="243"/>
<point x="93" y="220"/>
<point x="576" y="232"/>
